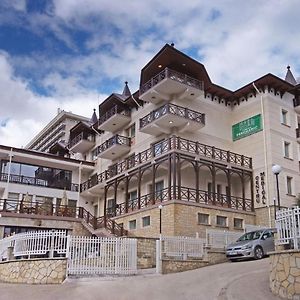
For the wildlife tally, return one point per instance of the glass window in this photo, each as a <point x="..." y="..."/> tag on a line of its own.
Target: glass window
<point x="238" y="223"/>
<point x="284" y="117"/>
<point x="289" y="185"/>
<point x="132" y="224"/>
<point x="222" y="221"/>
<point x="203" y="218"/>
<point x="146" y="221"/>
<point x="286" y="149"/>
<point x="132" y="196"/>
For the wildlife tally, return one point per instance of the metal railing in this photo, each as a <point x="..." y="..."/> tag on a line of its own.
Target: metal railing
<point x="172" y="143"/>
<point x="173" y="109"/>
<point x="174" y="75"/>
<point x="114" y="111"/>
<point x="184" y="194"/>
<point x="220" y="239"/>
<point x="288" y="227"/>
<point x="35" y="243"/>
<point x="181" y="247"/>
<point x="80" y="137"/>
<point x="115" y="140"/>
<point x="27" y="180"/>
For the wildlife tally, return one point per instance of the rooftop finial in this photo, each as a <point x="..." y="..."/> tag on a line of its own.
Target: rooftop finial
<point x="288" y="67"/>
<point x="172" y="44"/>
<point x="126" y="82"/>
<point x="126" y="91"/>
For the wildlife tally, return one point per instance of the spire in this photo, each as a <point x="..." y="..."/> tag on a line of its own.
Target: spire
<point x="126" y="91"/>
<point x="94" y="117"/>
<point x="289" y="77"/>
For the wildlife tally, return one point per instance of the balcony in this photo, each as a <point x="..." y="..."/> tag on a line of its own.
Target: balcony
<point x="171" y="144"/>
<point x="168" y="83"/>
<point x="170" y="115"/>
<point x="297" y="104"/>
<point x="114" y="119"/>
<point x="35" y="181"/>
<point x="298" y="134"/>
<point x="114" y="147"/>
<point x="82" y="142"/>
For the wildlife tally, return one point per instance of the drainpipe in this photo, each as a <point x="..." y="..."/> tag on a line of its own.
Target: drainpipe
<point x="265" y="153"/>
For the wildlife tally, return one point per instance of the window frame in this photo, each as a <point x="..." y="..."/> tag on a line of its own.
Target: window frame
<point x="221" y="225"/>
<point x="146" y="218"/>
<point x="203" y="214"/>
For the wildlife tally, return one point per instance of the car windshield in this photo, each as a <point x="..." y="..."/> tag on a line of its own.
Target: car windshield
<point x="249" y="236"/>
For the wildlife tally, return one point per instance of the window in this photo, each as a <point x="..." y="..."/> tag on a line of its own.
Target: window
<point x="203" y="219"/>
<point x="130" y="132"/>
<point x="238" y="223"/>
<point x="132" y="224"/>
<point x="289" y="181"/>
<point x="222" y="221"/>
<point x="146" y="221"/>
<point x="284" y="117"/>
<point x="287" y="149"/>
<point x="159" y="186"/>
<point x="110" y="206"/>
<point x="132" y="196"/>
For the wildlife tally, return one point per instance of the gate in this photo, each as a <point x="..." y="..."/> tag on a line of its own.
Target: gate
<point x="96" y="256"/>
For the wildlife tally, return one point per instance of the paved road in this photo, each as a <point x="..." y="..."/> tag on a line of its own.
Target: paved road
<point x="228" y="281"/>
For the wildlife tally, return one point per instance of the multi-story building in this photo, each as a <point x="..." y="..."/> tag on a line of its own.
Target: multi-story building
<point x="57" y="130"/>
<point x="182" y="154"/>
<point x="202" y="151"/>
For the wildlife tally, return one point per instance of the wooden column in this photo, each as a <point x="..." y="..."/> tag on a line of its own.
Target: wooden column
<point x="139" y="188"/>
<point x="213" y="171"/>
<point x="169" y="176"/>
<point x="115" y="196"/>
<point x="196" y="168"/>
<point x="153" y="184"/>
<point x="243" y="190"/>
<point x="178" y="165"/>
<point x="105" y="200"/>
<point x="126" y="193"/>
<point x="174" y="175"/>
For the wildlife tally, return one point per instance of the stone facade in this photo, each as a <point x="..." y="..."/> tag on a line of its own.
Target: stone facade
<point x="34" y="271"/>
<point x="180" y="218"/>
<point x="263" y="214"/>
<point x="285" y="274"/>
<point x="146" y="253"/>
<point x="174" y="266"/>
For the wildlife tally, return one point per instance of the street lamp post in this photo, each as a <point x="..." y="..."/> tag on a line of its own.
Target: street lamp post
<point x="276" y="169"/>
<point x="160" y="209"/>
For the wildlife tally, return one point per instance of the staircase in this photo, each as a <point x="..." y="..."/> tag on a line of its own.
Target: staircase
<point x="102" y="226"/>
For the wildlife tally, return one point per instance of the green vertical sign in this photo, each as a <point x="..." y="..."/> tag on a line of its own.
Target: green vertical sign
<point x="246" y="127"/>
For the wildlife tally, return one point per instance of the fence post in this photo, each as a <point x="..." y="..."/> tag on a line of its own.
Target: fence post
<point x="51" y="252"/>
<point x="158" y="257"/>
<point x="294" y="229"/>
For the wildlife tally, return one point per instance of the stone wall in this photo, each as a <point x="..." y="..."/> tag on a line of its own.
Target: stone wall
<point x="180" y="218"/>
<point x="34" y="271"/>
<point x="146" y="253"/>
<point x="285" y="274"/>
<point x="262" y="216"/>
<point x="175" y="266"/>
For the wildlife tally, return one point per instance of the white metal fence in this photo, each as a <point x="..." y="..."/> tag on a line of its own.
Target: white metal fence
<point x="38" y="243"/>
<point x="181" y="247"/>
<point x="219" y="239"/>
<point x="92" y="256"/>
<point x="288" y="226"/>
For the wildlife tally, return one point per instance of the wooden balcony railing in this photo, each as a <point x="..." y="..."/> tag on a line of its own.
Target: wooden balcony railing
<point x="115" y="140"/>
<point x="184" y="194"/>
<point x="174" y="75"/>
<point x="173" y="109"/>
<point x="172" y="143"/>
<point x="114" y="111"/>
<point x="48" y="209"/>
<point x="80" y="137"/>
<point x="27" y="180"/>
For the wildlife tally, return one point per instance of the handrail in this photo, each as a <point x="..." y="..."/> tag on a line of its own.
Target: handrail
<point x="174" y="75"/>
<point x="174" y="109"/>
<point x="114" y="140"/>
<point x="80" y="137"/>
<point x="184" y="194"/>
<point x="172" y="143"/>
<point x="113" y="111"/>
<point x="21" y="179"/>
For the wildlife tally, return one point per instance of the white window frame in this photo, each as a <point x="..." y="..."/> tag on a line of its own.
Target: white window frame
<point x="291" y="187"/>
<point x="287" y="116"/>
<point x="290" y="149"/>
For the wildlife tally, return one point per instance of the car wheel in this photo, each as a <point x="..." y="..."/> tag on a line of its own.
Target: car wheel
<point x="258" y="252"/>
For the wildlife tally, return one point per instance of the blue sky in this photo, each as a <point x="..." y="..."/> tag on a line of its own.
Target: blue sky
<point x="72" y="54"/>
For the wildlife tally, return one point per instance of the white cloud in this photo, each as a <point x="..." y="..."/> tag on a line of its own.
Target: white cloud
<point x="24" y="113"/>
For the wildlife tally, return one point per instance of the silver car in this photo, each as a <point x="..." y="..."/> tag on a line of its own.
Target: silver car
<point x="254" y="244"/>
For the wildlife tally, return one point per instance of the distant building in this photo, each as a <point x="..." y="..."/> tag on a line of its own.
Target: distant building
<point x="57" y="130"/>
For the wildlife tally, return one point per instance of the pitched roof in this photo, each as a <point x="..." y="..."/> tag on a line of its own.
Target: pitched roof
<point x="289" y="77"/>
